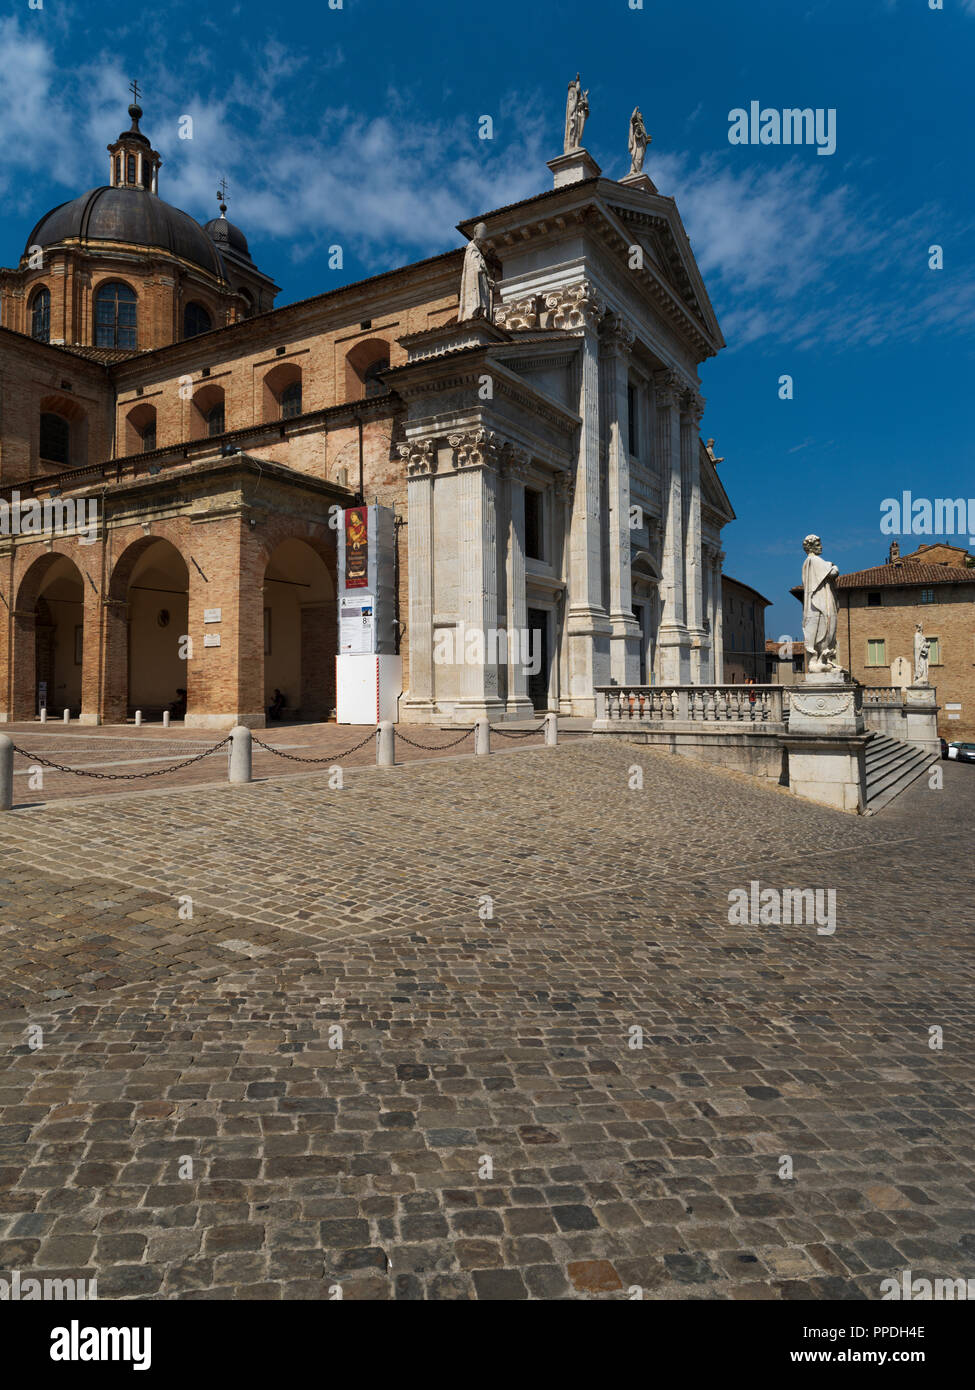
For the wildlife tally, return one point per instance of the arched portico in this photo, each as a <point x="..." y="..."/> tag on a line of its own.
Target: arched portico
<point x="48" y="638"/>
<point x="145" y="626"/>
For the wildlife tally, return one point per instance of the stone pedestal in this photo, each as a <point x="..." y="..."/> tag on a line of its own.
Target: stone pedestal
<point x="573" y="167"/>
<point x="921" y="717"/>
<point x="826" y="743"/>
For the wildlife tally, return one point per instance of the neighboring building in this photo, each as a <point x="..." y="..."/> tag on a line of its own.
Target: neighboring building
<point x="785" y="662"/>
<point x="743" y="616"/>
<point x="544" y="464"/>
<point x="879" y="610"/>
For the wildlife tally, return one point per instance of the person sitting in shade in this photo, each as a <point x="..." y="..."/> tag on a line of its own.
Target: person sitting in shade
<point x="177" y="707"/>
<point x="276" y="708"/>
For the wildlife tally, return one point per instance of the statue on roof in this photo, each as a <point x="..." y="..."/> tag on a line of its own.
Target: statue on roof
<point x="639" y="140"/>
<point x="476" y="285"/>
<point x="576" y="111"/>
<point x="820" y="609"/>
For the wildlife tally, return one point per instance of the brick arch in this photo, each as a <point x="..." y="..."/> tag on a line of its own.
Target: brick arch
<point x="359" y="360"/>
<point x="115" y="691"/>
<point x="69" y="409"/>
<point x="303" y="627"/>
<point x="203" y="402"/>
<point x="29" y="602"/>
<point x="274" y="383"/>
<point x="137" y="421"/>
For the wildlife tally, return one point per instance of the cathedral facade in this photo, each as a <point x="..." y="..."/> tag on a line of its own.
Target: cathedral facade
<point x="533" y="425"/>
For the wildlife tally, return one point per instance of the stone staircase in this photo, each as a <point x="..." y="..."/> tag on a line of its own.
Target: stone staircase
<point x="891" y="765"/>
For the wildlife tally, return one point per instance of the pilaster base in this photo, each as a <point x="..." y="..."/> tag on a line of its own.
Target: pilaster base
<point x="828" y="770"/>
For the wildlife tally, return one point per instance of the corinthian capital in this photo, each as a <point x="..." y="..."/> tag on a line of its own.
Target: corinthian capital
<point x="572" y="308"/>
<point x="618" y="335"/>
<point x="476" y="449"/>
<point x="668" y="389"/>
<point x="419" y="456"/>
<point x="515" y="462"/>
<point x="518" y="314"/>
<point x="692" y="404"/>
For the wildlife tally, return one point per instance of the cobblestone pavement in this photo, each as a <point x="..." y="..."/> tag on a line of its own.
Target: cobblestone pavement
<point x="127" y="758"/>
<point x="487" y="1128"/>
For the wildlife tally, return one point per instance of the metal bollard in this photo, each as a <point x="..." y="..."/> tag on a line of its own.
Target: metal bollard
<point x="67" y="716"/>
<point x="6" y="773"/>
<point x="240" y="754"/>
<point x="551" y="730"/>
<point x="482" y="737"/>
<point x="385" y="744"/>
<point x="138" y="718"/>
<point x="43" y="716"/>
<point x="166" y="719"/>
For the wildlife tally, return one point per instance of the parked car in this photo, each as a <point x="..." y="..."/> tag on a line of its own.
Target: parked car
<point x="960" y="752"/>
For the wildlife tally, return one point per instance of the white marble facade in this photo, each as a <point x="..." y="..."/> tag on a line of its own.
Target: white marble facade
<point x="557" y="482"/>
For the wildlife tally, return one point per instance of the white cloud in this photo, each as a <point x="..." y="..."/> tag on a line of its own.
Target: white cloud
<point x="790" y="256"/>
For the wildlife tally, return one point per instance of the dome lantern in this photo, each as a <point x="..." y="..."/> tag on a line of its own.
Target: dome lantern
<point x="133" y="163"/>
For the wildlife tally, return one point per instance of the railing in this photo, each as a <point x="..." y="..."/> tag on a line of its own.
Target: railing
<point x="882" y="694"/>
<point x="717" y="704"/>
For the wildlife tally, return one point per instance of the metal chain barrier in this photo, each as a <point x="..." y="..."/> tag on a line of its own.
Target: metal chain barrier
<point x="332" y="758"/>
<point x="434" y="747"/>
<point x="120" y="776"/>
<point x="515" y="733"/>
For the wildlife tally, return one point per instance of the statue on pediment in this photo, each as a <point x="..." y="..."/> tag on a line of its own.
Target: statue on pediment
<point x="476" y="285"/>
<point x="820" y="609"/>
<point x="639" y="140"/>
<point x="576" y="111"/>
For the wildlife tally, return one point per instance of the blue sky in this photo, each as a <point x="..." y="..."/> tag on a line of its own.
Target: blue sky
<point x="359" y="126"/>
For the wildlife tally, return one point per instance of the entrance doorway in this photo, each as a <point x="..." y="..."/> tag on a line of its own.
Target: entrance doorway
<point x="538" y="682"/>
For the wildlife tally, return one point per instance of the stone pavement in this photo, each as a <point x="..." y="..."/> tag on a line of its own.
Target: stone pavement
<point x="487" y="1128"/>
<point x="113" y="759"/>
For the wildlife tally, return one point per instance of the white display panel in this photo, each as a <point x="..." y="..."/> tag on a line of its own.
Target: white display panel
<point x="367" y="688"/>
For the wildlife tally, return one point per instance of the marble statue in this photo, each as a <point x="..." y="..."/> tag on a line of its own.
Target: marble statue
<point x="922" y="654"/>
<point x="639" y="140"/>
<point x="576" y="111"/>
<point x="819" y="607"/>
<point x="476" y="285"/>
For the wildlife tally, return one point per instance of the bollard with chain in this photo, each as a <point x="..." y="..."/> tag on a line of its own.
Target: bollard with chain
<point x="482" y="737"/>
<point x="240" y="754"/>
<point x="6" y="773"/>
<point x="67" y="716"/>
<point x="385" y="744"/>
<point x="551" y="730"/>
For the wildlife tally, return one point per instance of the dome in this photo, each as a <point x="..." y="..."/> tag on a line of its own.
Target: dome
<point x="131" y="215"/>
<point x="227" y="236"/>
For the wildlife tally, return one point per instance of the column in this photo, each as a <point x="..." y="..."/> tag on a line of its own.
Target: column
<point x="673" y="641"/>
<point x="578" y="309"/>
<point x="421" y="464"/>
<point x="515" y="467"/>
<point x="563" y="491"/>
<point x="625" y="639"/>
<point x="477" y="456"/>
<point x="718" y="624"/>
<point x="692" y="410"/>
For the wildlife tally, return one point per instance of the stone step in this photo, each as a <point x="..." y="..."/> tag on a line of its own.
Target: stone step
<point x="891" y="766"/>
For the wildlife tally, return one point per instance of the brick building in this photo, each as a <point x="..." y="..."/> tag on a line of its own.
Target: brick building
<point x="543" y="461"/>
<point x="880" y="608"/>
<point x="743" y="623"/>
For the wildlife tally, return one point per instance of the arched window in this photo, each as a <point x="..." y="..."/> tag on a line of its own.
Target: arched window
<point x="215" y="419"/>
<point x="115" y="315"/>
<point x="55" y="438"/>
<point x="196" y="320"/>
<point x="291" y="400"/>
<point x="375" y="386"/>
<point x="40" y="316"/>
<point x="247" y="307"/>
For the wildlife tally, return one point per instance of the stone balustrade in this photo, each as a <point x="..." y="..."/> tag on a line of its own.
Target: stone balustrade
<point x="715" y="704"/>
<point x="881" y="695"/>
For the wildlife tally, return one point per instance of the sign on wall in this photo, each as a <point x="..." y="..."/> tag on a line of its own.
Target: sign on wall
<point x="356" y="547"/>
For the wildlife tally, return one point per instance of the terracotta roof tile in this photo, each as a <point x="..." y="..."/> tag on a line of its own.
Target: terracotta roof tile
<point x="906" y="573"/>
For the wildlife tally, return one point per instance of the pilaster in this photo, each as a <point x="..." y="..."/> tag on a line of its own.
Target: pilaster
<point x="673" y="646"/>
